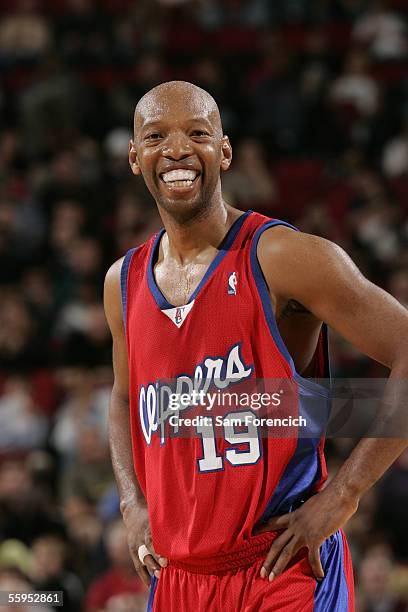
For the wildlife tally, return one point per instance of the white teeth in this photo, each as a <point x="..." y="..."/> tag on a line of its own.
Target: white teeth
<point x="179" y="175"/>
<point x="181" y="183"/>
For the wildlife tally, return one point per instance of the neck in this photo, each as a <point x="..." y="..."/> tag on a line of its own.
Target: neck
<point x="184" y="241"/>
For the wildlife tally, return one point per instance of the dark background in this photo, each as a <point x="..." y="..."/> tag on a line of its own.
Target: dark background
<point x="314" y="97"/>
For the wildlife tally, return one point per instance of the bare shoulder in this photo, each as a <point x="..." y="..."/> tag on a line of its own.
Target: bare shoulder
<point x="284" y="243"/>
<point x="319" y="275"/>
<point x="112" y="278"/>
<point x="112" y="295"/>
<point x="113" y="274"/>
<point x="291" y="259"/>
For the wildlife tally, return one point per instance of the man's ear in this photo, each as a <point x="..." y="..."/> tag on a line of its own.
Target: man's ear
<point x="226" y="153"/>
<point x="133" y="161"/>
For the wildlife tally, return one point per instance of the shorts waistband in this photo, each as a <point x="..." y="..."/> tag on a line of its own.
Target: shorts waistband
<point x="243" y="557"/>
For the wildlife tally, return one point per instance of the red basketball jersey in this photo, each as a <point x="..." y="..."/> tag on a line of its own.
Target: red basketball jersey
<point x="206" y="492"/>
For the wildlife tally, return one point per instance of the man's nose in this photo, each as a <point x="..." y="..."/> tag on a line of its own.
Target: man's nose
<point x="177" y="147"/>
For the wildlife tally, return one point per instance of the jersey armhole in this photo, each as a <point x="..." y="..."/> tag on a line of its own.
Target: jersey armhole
<point x="263" y="292"/>
<point x="124" y="273"/>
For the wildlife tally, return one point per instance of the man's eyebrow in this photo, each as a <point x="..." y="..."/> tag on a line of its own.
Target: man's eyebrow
<point x="152" y="123"/>
<point x="199" y="119"/>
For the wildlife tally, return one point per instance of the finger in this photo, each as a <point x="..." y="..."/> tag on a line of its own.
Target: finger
<point x="162" y="561"/>
<point x="273" y="524"/>
<point x="143" y="574"/>
<point x="152" y="566"/>
<point x="315" y="563"/>
<point x="140" y="569"/>
<point x="285" y="556"/>
<point x="274" y="552"/>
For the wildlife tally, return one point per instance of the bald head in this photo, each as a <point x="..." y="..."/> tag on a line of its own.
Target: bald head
<point x="178" y="127"/>
<point x="176" y="98"/>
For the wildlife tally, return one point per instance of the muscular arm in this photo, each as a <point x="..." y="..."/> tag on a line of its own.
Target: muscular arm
<point x="132" y="501"/>
<point x="319" y="275"/>
<point x="119" y="427"/>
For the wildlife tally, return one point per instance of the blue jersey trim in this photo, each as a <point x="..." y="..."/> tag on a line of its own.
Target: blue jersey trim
<point x="264" y="293"/>
<point x="123" y="282"/>
<point x="331" y="593"/>
<point x="269" y="315"/>
<point x="226" y="244"/>
<point x="303" y="470"/>
<point x="153" y="587"/>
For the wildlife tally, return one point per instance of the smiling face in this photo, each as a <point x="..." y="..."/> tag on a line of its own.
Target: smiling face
<point x="179" y="148"/>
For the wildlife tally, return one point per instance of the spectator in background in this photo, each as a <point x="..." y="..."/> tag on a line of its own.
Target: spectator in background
<point x="49" y="111"/>
<point x="395" y="155"/>
<point x="392" y="504"/>
<point x="373" y="221"/>
<point x="18" y="241"/>
<point x="116" y="144"/>
<point x="12" y="580"/>
<point x="66" y="224"/>
<point x="208" y="75"/>
<point x="19" y="341"/>
<point x="64" y="181"/>
<point x="118" y="581"/>
<point x="15" y="555"/>
<point x="88" y="344"/>
<point x="85" y="406"/>
<point x="48" y="571"/>
<point x="376" y="575"/>
<point x="116" y="175"/>
<point x="382" y="31"/>
<point x="90" y="476"/>
<point x="22" y="424"/>
<point x="361" y="528"/>
<point x="249" y="182"/>
<point x="85" y="532"/>
<point x="84" y="259"/>
<point x="83" y="33"/>
<point x="25" y="33"/>
<point x="149" y="70"/>
<point x="131" y="219"/>
<point x="37" y="289"/>
<point x="10" y="152"/>
<point x="277" y="108"/>
<point x="318" y="220"/>
<point x="374" y="228"/>
<point x="355" y="90"/>
<point x="25" y="510"/>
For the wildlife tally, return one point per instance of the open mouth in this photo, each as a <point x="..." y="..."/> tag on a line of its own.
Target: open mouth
<point x="179" y="178"/>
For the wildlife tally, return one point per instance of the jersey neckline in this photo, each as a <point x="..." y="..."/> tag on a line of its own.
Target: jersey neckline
<point x="225" y="246"/>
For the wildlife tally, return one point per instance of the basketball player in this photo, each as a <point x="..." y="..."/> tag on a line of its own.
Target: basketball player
<point x="233" y="523"/>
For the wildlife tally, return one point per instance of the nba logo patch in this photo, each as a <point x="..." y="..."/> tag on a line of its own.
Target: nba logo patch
<point x="232" y="283"/>
<point x="179" y="316"/>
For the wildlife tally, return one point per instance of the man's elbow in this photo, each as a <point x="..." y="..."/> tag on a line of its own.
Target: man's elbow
<point x="119" y="398"/>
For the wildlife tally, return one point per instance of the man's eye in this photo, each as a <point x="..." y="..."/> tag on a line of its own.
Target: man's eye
<point x="153" y="136"/>
<point x="199" y="133"/>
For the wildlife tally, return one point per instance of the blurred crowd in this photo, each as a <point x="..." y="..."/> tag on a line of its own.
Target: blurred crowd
<point x="314" y="97"/>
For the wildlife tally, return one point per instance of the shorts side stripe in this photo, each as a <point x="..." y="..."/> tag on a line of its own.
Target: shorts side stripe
<point x="153" y="587"/>
<point x="332" y="593"/>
